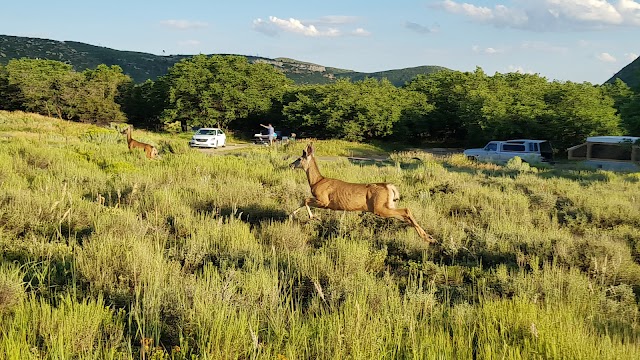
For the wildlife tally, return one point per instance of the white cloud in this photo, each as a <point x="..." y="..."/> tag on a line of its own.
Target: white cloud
<point x="275" y="25"/>
<point x="322" y="27"/>
<point x="630" y="11"/>
<point x="550" y="15"/>
<point x="630" y="56"/>
<point x="184" y="24"/>
<point x="606" y="57"/>
<point x="265" y="27"/>
<point x="500" y="15"/>
<point x="487" y="51"/>
<point x="360" y="32"/>
<point x="588" y="11"/>
<point x="519" y="69"/>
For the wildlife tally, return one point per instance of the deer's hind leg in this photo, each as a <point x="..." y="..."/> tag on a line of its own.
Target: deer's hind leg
<point x="423" y="234"/>
<point x="405" y="215"/>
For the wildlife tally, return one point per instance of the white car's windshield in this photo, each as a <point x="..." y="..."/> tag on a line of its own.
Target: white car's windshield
<point x="206" y="132"/>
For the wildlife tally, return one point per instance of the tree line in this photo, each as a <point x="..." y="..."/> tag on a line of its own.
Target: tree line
<point x="449" y="107"/>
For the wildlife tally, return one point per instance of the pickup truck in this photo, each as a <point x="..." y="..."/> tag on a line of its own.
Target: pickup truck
<point x="530" y="151"/>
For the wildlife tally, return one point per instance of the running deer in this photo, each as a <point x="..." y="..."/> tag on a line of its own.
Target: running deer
<point x="334" y="194"/>
<point x="150" y="150"/>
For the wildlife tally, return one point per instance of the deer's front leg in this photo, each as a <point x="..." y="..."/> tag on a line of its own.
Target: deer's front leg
<point x="296" y="211"/>
<point x="315" y="203"/>
<point x="307" y="203"/>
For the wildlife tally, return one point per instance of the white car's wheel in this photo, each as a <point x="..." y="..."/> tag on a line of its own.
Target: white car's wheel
<point x="224" y="143"/>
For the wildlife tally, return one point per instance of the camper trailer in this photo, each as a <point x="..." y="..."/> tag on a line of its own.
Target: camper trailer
<point x="609" y="152"/>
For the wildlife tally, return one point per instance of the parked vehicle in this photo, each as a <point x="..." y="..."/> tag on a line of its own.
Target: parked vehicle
<point x="262" y="138"/>
<point x="208" y="138"/>
<point x="620" y="153"/>
<point x="501" y="151"/>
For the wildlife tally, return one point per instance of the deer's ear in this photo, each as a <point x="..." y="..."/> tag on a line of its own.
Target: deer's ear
<point x="304" y="153"/>
<point x="310" y="149"/>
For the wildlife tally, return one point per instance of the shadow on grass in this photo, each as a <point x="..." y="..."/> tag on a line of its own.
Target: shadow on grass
<point x="404" y="165"/>
<point x="253" y="214"/>
<point x="585" y="176"/>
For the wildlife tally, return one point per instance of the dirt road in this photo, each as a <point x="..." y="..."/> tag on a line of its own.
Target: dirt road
<point x="223" y="150"/>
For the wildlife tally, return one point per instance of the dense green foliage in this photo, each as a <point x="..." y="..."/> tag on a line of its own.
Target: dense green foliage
<point x="107" y="255"/>
<point x="448" y="107"/>
<point x="476" y="108"/>
<point x="363" y="110"/>
<point x="217" y="90"/>
<point x="144" y="103"/>
<point x="631" y="115"/>
<point x="53" y="88"/>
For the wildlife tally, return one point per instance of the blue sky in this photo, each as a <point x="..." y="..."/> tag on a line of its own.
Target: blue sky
<point x="567" y="40"/>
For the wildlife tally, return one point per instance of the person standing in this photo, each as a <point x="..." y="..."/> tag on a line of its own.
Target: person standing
<point x="272" y="132"/>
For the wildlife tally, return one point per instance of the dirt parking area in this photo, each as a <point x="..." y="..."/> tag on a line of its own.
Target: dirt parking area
<point x="229" y="147"/>
<point x="221" y="150"/>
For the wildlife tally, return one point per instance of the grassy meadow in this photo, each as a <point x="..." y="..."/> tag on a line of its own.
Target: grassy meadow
<point x="105" y="254"/>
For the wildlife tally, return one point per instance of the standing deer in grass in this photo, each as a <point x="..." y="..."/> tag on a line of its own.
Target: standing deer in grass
<point x="149" y="150"/>
<point x="334" y="194"/>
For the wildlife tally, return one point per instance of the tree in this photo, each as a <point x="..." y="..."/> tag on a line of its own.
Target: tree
<point x="357" y="111"/>
<point x="144" y="103"/>
<point x="10" y="95"/>
<point x="579" y="110"/>
<point x="505" y="106"/>
<point x="630" y="114"/>
<point x="619" y="92"/>
<point x="101" y="86"/>
<point x="448" y="91"/>
<point x="204" y="91"/>
<point x="627" y="103"/>
<point x="415" y="121"/>
<point x="41" y="84"/>
<point x="53" y="88"/>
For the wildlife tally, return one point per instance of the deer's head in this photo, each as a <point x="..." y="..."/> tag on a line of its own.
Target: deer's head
<point x="303" y="161"/>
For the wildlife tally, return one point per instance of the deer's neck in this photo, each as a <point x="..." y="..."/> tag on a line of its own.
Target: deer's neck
<point x="129" y="135"/>
<point x="313" y="173"/>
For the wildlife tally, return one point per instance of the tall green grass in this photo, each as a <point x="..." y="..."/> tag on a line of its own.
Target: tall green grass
<point x="106" y="254"/>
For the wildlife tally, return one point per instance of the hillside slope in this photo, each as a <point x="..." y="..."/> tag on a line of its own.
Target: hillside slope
<point x="142" y="66"/>
<point x="630" y="74"/>
<point x="105" y="254"/>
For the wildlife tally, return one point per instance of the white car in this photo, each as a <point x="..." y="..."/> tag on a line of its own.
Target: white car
<point x="502" y="151"/>
<point x="208" y="138"/>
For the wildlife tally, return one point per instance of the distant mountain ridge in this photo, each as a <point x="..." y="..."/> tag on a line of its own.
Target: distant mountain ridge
<point x="630" y="74"/>
<point x="142" y="66"/>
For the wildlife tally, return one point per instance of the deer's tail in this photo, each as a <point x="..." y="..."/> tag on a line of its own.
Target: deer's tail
<point x="394" y="195"/>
